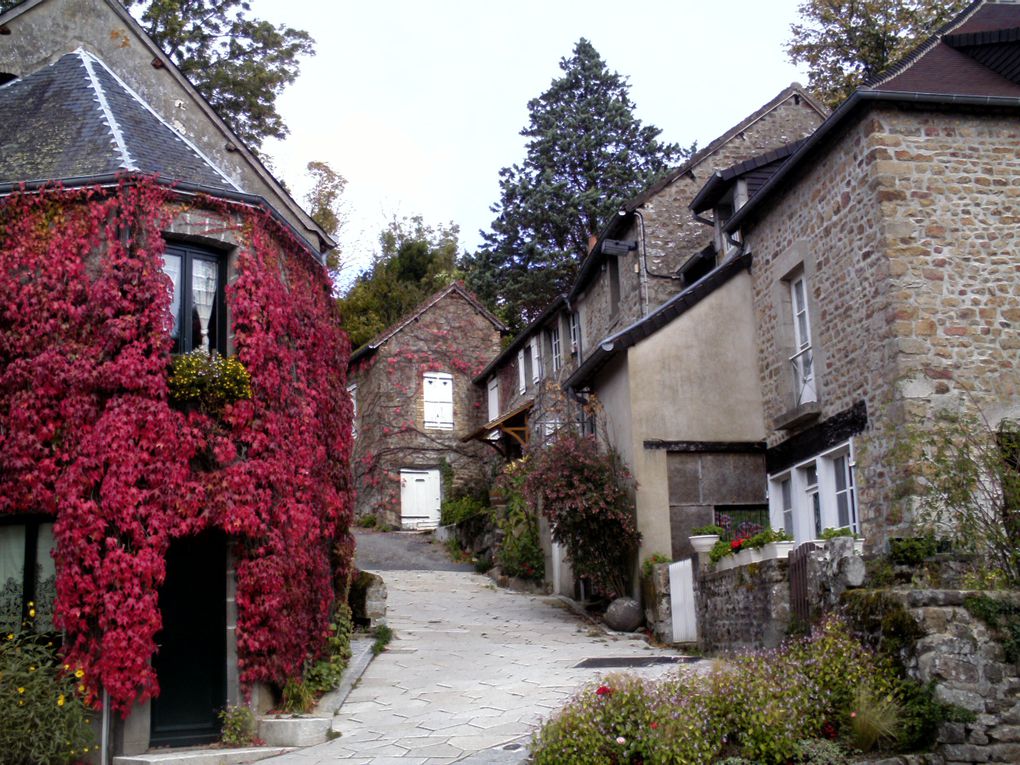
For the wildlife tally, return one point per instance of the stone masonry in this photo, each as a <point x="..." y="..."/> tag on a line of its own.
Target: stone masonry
<point x="451" y="336"/>
<point x="905" y="230"/>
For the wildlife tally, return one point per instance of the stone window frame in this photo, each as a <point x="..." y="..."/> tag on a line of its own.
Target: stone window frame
<point x="803" y="492"/>
<point x="795" y="262"/>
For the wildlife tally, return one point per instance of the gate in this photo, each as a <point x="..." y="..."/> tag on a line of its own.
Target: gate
<point x="681" y="602"/>
<point x="800" y="606"/>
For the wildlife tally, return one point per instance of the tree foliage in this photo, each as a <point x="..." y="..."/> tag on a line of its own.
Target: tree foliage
<point x="586" y="152"/>
<point x="238" y="63"/>
<point x="325" y="205"/>
<point x="414" y="260"/>
<point x="844" y="42"/>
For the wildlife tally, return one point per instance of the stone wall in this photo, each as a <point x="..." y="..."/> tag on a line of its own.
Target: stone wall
<point x="451" y="337"/>
<point x="744" y="608"/>
<point x="968" y="666"/>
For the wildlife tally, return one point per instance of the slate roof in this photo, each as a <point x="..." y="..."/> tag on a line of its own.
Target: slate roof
<point x="972" y="63"/>
<point x="756" y="171"/>
<point x="76" y="119"/>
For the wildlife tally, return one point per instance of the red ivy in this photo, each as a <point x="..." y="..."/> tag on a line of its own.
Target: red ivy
<point x="87" y="434"/>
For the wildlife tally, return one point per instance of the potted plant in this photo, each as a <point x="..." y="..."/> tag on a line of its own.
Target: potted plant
<point x="703" y="538"/>
<point x="778" y="544"/>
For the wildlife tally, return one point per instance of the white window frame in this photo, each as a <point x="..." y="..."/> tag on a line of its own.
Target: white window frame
<point x="555" y="348"/>
<point x="437" y="400"/>
<point x="574" y="324"/>
<point x="492" y="389"/>
<point x="827" y="489"/>
<point x="804" y="377"/>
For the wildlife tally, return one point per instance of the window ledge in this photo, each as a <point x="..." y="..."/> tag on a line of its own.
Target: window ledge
<point x="802" y="414"/>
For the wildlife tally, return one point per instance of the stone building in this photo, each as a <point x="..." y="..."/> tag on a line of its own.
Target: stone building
<point x="884" y="275"/>
<point x="414" y="406"/>
<point x="137" y="227"/>
<point x="667" y="336"/>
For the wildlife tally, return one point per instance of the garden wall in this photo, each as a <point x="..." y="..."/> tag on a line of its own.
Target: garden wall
<point x="743" y="608"/>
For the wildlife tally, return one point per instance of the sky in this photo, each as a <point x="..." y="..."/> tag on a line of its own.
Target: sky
<point x="419" y="103"/>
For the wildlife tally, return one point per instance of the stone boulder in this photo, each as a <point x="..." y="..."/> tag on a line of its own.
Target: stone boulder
<point x="624" y="615"/>
<point x="368" y="599"/>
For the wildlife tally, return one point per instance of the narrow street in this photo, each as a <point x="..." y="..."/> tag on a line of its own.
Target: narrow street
<point x="471" y="667"/>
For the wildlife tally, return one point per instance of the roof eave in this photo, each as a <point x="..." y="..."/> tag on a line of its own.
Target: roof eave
<point x="520" y="339"/>
<point x="858" y="100"/>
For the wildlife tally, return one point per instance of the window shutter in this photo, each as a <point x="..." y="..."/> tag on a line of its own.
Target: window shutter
<point x="522" y="381"/>
<point x="536" y="359"/>
<point x="493" y="398"/>
<point x="438" y="398"/>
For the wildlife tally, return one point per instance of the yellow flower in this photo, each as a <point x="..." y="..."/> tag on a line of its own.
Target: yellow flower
<point x="31" y="613"/>
<point x="79" y="673"/>
<point x="21" y="690"/>
<point x="10" y="636"/>
<point x="31" y="669"/>
<point x="60" y="700"/>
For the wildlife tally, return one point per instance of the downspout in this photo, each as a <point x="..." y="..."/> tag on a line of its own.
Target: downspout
<point x="644" y="251"/>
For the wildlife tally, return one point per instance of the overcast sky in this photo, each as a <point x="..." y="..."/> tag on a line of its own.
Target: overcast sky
<point x="419" y="103"/>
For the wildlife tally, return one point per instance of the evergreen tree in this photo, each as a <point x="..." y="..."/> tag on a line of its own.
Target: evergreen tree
<point x="586" y="153"/>
<point x="414" y="260"/>
<point x="844" y="42"/>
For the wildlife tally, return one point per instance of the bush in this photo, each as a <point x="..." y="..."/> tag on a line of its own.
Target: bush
<point x="710" y="529"/>
<point x="324" y="675"/>
<point x="457" y="510"/>
<point x="911" y="551"/>
<point x="238" y="726"/>
<point x="208" y="380"/>
<point x="383" y="635"/>
<point x="921" y="714"/>
<point x="43" y="719"/>
<point x="586" y="496"/>
<point x="875" y="718"/>
<point x="649" y="564"/>
<point x="298" y="697"/>
<point x="520" y="551"/>
<point x="367" y="521"/>
<point x="766" y="707"/>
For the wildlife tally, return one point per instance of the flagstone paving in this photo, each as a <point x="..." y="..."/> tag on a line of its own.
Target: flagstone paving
<point x="472" y="667"/>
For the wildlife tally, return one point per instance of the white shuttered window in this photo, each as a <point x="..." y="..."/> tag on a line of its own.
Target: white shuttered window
<point x="438" y="394"/>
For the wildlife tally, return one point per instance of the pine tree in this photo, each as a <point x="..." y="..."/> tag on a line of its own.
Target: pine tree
<point x="586" y="153"/>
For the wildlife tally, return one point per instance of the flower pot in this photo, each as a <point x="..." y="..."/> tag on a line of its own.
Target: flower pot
<point x="726" y="562"/>
<point x="780" y="550"/>
<point x="703" y="543"/>
<point x="752" y="555"/>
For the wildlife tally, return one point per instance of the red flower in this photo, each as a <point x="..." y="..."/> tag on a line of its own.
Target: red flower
<point x="604" y="690"/>
<point x="736" y="544"/>
<point x="654" y="726"/>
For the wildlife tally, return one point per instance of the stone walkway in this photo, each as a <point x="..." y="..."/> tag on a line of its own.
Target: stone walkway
<point x="471" y="668"/>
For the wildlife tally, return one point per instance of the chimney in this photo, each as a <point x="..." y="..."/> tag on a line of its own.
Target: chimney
<point x="592" y="241"/>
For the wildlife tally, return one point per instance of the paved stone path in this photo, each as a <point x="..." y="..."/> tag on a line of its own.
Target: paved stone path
<point x="472" y="667"/>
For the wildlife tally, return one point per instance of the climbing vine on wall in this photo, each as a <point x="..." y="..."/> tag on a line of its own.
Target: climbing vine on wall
<point x="88" y="433"/>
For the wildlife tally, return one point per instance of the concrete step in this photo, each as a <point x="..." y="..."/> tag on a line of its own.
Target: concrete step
<point x="206" y="756"/>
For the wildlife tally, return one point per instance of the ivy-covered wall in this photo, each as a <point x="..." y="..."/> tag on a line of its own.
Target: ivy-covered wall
<point x="90" y="436"/>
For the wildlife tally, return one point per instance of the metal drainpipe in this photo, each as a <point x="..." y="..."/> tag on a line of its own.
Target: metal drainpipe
<point x="104" y="735"/>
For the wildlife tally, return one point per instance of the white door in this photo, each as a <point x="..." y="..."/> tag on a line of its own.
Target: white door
<point x="419" y="499"/>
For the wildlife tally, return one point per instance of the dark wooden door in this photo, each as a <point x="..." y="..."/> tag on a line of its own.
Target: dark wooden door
<point x="191" y="661"/>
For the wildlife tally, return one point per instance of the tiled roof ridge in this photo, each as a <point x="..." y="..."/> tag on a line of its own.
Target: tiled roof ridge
<point x="109" y="119"/>
<point x="87" y="57"/>
<point x="924" y="47"/>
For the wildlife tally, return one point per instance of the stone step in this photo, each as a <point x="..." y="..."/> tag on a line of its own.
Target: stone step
<point x="205" y="756"/>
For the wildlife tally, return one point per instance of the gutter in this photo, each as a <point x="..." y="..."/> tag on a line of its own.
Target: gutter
<point x="110" y="180"/>
<point x="860" y="97"/>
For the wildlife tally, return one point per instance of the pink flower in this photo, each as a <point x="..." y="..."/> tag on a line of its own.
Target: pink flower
<point x="621" y="740"/>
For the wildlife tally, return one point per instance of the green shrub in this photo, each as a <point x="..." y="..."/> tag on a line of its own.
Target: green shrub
<point x="845" y="531"/>
<point x="483" y="564"/>
<point x="820" y="751"/>
<point x="911" y="551"/>
<point x="209" y="381"/>
<point x="649" y="564"/>
<point x="457" y="510"/>
<point x="710" y="529"/>
<point x="719" y="551"/>
<point x="238" y="726"/>
<point x="367" y="521"/>
<point x="875" y="718"/>
<point x="298" y="697"/>
<point x="767" y="536"/>
<point x="43" y="719"/>
<point x="324" y="675"/>
<point x="921" y="714"/>
<point x="383" y="635"/>
<point x="520" y="550"/>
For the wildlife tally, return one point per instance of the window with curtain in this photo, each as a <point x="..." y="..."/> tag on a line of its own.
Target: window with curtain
<point x="27" y="574"/>
<point x="197" y="308"/>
